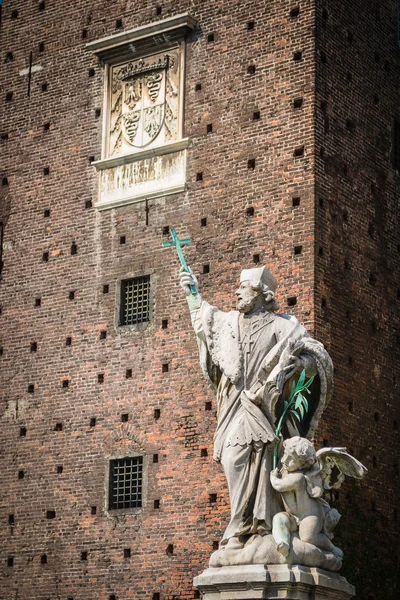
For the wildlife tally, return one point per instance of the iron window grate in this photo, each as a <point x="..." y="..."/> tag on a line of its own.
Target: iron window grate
<point x="135" y="300"/>
<point x="126" y="483"/>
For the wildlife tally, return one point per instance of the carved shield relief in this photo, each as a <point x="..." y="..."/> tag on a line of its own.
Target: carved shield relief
<point x="144" y="107"/>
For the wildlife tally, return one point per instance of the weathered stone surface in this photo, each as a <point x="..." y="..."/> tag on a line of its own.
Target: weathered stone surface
<point x="277" y="581"/>
<point x="150" y="177"/>
<point x="251" y="358"/>
<point x="263" y="550"/>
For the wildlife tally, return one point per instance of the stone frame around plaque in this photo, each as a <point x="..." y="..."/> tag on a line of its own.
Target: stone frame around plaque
<point x="143" y="143"/>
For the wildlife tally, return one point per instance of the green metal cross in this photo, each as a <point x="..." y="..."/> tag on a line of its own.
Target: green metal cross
<point x="178" y="243"/>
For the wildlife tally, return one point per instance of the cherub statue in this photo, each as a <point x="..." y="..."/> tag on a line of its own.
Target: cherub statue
<point x="304" y="477"/>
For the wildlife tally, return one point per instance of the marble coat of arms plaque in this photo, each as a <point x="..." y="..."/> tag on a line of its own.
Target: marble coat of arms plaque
<point x="143" y="148"/>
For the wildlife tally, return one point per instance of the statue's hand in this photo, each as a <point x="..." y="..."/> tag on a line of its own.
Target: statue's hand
<point x="295" y="363"/>
<point x="255" y="397"/>
<point x="187" y="279"/>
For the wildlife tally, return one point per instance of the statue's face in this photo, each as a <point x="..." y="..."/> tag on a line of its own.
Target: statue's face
<point x="291" y="461"/>
<point x="247" y="297"/>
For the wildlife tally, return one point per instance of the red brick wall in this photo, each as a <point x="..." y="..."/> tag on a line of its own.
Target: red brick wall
<point x="182" y="480"/>
<point x="357" y="271"/>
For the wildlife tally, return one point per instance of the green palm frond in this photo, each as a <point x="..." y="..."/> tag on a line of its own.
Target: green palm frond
<point x="297" y="405"/>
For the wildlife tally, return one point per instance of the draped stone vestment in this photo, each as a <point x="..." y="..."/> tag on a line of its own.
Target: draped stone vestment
<point x="247" y="352"/>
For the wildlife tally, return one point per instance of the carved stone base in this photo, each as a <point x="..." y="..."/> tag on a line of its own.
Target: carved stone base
<point x="253" y="582"/>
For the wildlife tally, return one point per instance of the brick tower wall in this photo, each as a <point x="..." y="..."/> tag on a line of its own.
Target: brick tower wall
<point x="357" y="272"/>
<point x="63" y="254"/>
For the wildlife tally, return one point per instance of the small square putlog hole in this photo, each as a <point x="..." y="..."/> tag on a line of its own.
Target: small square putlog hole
<point x="250" y="211"/>
<point x="299" y="151"/>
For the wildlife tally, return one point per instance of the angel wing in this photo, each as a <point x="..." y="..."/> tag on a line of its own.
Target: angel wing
<point x="347" y="465"/>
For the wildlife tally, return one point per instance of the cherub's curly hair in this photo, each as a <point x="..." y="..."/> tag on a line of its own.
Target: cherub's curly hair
<point x="269" y="296"/>
<point x="303" y="449"/>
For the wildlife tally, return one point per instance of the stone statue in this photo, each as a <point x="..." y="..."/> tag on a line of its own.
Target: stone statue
<point x="252" y="357"/>
<point x="303" y="479"/>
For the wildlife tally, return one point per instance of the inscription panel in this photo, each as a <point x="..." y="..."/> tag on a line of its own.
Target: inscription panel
<point x="146" y="178"/>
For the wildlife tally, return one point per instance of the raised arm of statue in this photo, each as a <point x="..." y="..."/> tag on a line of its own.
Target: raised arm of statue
<point x="188" y="281"/>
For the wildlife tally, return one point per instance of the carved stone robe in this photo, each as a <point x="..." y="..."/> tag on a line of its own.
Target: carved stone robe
<point x="238" y="353"/>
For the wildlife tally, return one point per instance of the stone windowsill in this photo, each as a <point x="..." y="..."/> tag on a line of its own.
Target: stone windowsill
<point x="115" y="161"/>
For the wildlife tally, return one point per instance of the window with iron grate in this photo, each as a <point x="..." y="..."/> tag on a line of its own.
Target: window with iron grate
<point x="135" y="301"/>
<point x="126" y="483"/>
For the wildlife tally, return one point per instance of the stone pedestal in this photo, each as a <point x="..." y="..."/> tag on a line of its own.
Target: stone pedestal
<point x="253" y="582"/>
